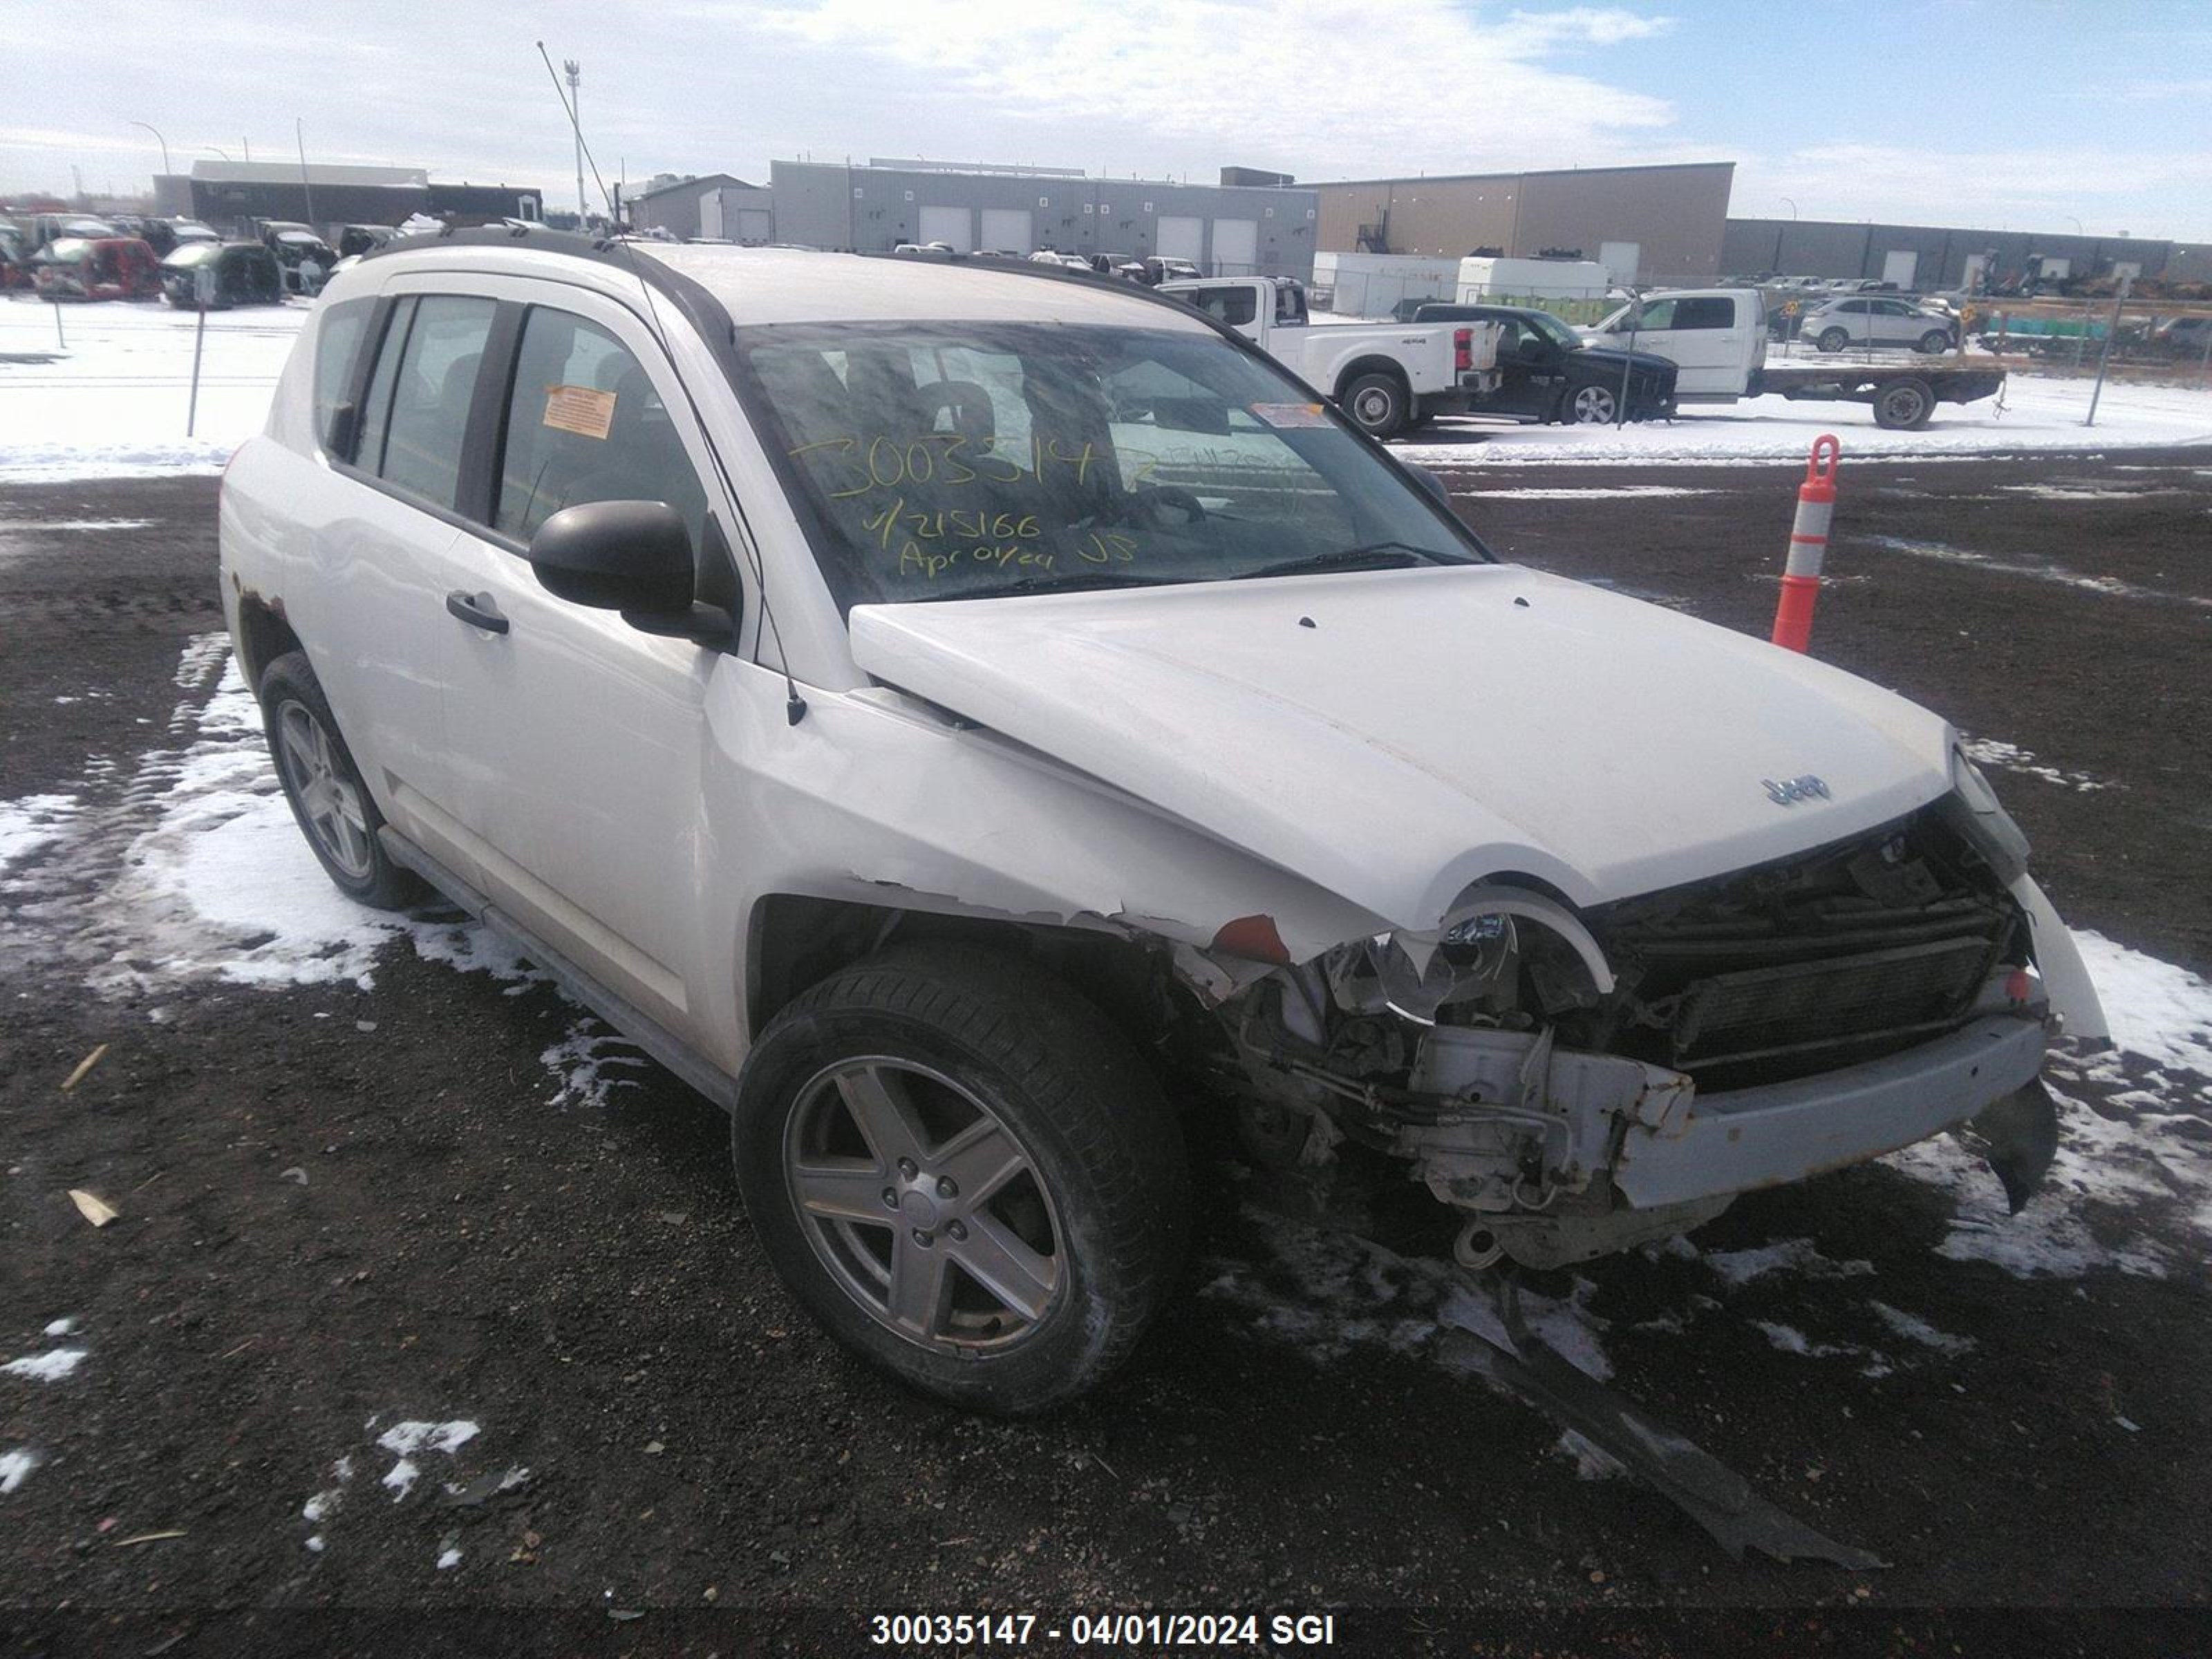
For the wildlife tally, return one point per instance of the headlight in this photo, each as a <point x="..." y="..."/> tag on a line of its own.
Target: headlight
<point x="1981" y="817"/>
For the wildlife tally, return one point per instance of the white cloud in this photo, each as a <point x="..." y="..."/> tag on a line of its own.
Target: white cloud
<point x="1335" y="86"/>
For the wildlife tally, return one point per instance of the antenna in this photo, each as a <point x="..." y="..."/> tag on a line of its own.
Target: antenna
<point x="794" y="706"/>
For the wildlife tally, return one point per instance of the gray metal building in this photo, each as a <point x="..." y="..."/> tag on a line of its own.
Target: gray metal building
<point x="715" y="204"/>
<point x="1932" y="257"/>
<point x="1227" y="230"/>
<point x="1646" y="224"/>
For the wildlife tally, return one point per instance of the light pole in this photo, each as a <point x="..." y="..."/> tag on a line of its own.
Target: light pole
<point x="2076" y="223"/>
<point x="223" y="153"/>
<point x="1793" y="209"/>
<point x="158" y="139"/>
<point x="575" y="72"/>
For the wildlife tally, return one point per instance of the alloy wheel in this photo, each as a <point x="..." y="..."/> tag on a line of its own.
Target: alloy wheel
<point x="925" y="1207"/>
<point x="330" y="801"/>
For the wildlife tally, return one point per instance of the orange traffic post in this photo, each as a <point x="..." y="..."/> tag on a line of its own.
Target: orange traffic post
<point x="1809" y="545"/>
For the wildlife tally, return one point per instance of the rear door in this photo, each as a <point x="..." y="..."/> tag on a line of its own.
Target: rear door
<point x="577" y="741"/>
<point x="380" y="551"/>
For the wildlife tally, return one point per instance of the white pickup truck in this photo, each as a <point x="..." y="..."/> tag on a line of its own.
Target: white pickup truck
<point x="1386" y="376"/>
<point x="1717" y="338"/>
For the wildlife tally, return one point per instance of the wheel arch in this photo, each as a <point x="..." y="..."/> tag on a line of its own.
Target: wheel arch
<point x="1360" y="366"/>
<point x="263" y="634"/>
<point x="796" y="941"/>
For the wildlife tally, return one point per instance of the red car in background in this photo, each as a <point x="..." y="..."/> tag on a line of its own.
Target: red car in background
<point x="105" y="267"/>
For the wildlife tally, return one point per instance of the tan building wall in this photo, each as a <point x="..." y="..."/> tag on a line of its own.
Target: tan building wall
<point x="1675" y="214"/>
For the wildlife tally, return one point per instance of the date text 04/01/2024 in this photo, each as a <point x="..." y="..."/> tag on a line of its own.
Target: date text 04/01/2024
<point x="1112" y="1629"/>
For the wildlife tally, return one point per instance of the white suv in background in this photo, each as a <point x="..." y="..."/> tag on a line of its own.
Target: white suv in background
<point x="1869" y="319"/>
<point x="966" y="719"/>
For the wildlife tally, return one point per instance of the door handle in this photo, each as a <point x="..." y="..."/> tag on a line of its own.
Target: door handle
<point x="476" y="610"/>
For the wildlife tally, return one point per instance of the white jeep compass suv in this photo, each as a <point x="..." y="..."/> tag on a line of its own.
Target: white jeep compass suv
<point x="970" y="720"/>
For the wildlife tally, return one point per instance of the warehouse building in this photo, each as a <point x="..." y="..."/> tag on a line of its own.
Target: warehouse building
<point x="234" y="196"/>
<point x="1645" y="224"/>
<point x="1226" y="230"/>
<point x="1930" y="258"/>
<point x="715" y="205"/>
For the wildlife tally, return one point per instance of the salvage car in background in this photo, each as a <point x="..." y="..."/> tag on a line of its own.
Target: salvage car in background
<point x="110" y="268"/>
<point x="305" y="257"/>
<point x="1547" y="372"/>
<point x="1130" y="730"/>
<point x="241" y="273"/>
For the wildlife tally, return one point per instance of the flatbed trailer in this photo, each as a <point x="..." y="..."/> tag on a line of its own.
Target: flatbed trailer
<point x="1903" y="395"/>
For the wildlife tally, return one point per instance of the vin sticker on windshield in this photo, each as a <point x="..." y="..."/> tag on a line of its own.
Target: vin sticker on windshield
<point x="583" y="410"/>
<point x="1284" y="415"/>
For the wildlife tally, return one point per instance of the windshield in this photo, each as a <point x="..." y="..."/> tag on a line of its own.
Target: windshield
<point x="1553" y="330"/>
<point x="961" y="460"/>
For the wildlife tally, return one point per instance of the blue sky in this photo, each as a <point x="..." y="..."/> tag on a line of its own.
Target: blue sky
<point x="1990" y="112"/>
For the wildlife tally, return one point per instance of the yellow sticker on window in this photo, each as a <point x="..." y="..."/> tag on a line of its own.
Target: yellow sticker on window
<point x="582" y="409"/>
<point x="1290" y="415"/>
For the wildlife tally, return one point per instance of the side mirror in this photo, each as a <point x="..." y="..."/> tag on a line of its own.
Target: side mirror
<point x="1429" y="481"/>
<point x="631" y="556"/>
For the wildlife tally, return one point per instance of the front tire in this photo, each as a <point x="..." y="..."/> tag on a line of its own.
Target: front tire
<point x="1377" y="403"/>
<point x="1592" y="405"/>
<point x="325" y="790"/>
<point x="1833" y="340"/>
<point x="1934" y="342"/>
<point x="965" y="1174"/>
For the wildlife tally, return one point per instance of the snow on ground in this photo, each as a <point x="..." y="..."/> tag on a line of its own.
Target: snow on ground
<point x="199" y="870"/>
<point x="110" y="398"/>
<point x="51" y="1366"/>
<point x="15" y="1467"/>
<point x="2039" y="413"/>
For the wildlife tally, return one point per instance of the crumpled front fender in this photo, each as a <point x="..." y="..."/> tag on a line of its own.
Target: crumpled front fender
<point x="2066" y="979"/>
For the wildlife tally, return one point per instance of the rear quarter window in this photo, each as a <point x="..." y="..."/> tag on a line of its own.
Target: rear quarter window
<point x="338" y="350"/>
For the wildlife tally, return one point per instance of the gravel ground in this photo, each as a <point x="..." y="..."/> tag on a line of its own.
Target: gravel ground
<point x="352" y="1214"/>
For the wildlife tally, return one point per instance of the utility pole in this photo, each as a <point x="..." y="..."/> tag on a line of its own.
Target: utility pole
<point x="575" y="72"/>
<point x="300" y="134"/>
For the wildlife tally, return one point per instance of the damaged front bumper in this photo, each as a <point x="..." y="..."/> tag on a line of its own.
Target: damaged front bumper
<point x="1746" y="1138"/>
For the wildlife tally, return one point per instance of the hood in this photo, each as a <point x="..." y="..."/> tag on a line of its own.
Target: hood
<point x="1617" y="355"/>
<point x="1395" y="736"/>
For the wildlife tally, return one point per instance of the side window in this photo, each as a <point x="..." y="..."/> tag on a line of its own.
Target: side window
<point x="1234" y="306"/>
<point x="1290" y="305"/>
<point x="337" y="346"/>
<point x="584" y="423"/>
<point x="1714" y="312"/>
<point x="1657" y="313"/>
<point x="426" y="376"/>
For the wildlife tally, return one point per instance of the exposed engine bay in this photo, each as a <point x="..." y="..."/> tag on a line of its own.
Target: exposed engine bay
<point x="1522" y="1058"/>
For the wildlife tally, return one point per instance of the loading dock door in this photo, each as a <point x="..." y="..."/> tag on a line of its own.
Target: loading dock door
<point x="755" y="225"/>
<point x="1007" y="230"/>
<point x="1899" y="266"/>
<point x="954" y="227"/>
<point x="1236" y="247"/>
<point x="1182" y="239"/>
<point x="1620" y="260"/>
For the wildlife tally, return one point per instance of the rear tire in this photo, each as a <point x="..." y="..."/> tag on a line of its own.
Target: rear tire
<point x="1376" y="403"/>
<point x="1903" y="405"/>
<point x="325" y="790"/>
<point x="964" y="1173"/>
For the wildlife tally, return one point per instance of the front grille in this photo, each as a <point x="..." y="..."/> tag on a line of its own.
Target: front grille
<point x="1767" y="1012"/>
<point x="1855" y="951"/>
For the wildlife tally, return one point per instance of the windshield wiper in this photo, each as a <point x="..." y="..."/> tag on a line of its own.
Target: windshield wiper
<point x="1371" y="556"/>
